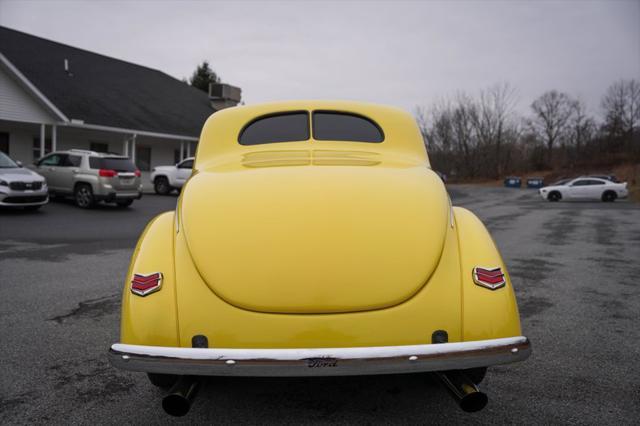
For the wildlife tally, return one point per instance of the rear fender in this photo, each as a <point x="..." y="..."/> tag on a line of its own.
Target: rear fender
<point x="486" y="314"/>
<point x="152" y="319"/>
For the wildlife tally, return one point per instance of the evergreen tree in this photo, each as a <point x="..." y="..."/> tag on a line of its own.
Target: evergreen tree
<point x="202" y="76"/>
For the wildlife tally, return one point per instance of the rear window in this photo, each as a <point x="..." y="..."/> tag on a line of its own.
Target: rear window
<point x="287" y="127"/>
<point x="117" y="164"/>
<point x="338" y="126"/>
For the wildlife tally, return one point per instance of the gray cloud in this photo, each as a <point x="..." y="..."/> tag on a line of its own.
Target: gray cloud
<point x="401" y="53"/>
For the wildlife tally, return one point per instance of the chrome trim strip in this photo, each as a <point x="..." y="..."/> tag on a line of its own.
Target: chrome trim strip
<point x="320" y="361"/>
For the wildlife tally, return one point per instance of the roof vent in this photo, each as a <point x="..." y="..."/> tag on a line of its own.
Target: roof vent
<point x="66" y="68"/>
<point x="224" y="95"/>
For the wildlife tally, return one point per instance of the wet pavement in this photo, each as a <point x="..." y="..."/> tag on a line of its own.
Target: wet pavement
<point x="575" y="268"/>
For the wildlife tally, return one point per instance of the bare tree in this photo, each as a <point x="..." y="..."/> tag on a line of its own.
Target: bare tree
<point x="463" y="116"/>
<point x="466" y="136"/>
<point x="495" y="110"/>
<point x="552" y="112"/>
<point x="621" y="105"/>
<point x="435" y="126"/>
<point x="582" y="127"/>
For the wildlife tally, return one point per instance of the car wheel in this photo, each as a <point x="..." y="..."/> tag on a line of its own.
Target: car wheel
<point x="32" y="208"/>
<point x="609" y="196"/>
<point x="163" y="381"/>
<point x="554" y="196"/>
<point x="84" y="196"/>
<point x="161" y="186"/>
<point x="124" y="203"/>
<point x="476" y="375"/>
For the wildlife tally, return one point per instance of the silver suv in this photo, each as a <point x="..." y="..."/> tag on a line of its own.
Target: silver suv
<point x="91" y="177"/>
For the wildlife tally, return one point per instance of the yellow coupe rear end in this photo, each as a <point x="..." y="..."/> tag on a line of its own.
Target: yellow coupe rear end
<point x="314" y="239"/>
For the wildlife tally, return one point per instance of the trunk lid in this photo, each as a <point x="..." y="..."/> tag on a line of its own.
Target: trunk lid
<point x="310" y="240"/>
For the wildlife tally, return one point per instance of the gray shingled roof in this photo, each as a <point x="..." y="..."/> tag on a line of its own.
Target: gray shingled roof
<point x="106" y="91"/>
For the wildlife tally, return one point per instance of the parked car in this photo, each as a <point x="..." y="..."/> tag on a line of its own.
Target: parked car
<point x="299" y="252"/>
<point x="167" y="178"/>
<point x="90" y="177"/>
<point x="585" y="188"/>
<point x="20" y="187"/>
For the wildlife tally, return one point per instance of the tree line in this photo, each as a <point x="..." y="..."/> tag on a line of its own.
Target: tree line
<point x="483" y="137"/>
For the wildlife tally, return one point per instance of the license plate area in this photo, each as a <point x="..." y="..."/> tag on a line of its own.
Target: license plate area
<point x="126" y="178"/>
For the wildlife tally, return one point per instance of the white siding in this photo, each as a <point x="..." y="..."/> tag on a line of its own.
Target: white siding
<point x="20" y="143"/>
<point x="17" y="105"/>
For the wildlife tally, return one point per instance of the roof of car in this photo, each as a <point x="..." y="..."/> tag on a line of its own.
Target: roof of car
<point x="221" y="131"/>
<point x="91" y="153"/>
<point x="592" y="178"/>
<point x="101" y="90"/>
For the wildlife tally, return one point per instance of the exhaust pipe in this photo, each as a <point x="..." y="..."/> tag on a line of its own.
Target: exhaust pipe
<point x="178" y="402"/>
<point x="463" y="390"/>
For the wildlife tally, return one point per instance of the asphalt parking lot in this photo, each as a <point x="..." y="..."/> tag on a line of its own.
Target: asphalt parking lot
<point x="575" y="267"/>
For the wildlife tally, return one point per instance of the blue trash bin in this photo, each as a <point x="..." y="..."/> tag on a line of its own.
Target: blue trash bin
<point x="513" y="182"/>
<point x="535" y="182"/>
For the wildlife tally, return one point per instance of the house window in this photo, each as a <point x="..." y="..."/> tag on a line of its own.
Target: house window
<point x="36" y="148"/>
<point x="143" y="158"/>
<point x="4" y="142"/>
<point x="99" y="147"/>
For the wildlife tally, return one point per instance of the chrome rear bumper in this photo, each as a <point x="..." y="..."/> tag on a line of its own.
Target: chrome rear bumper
<point x="320" y="361"/>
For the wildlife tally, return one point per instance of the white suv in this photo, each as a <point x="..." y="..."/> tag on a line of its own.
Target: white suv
<point x="167" y="178"/>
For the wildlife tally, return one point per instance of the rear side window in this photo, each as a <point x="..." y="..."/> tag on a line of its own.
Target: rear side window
<point x="117" y="164"/>
<point x="287" y="127"/>
<point x="338" y="126"/>
<point x="72" y="161"/>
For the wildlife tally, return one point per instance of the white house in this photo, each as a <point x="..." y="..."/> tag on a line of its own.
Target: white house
<point x="54" y="97"/>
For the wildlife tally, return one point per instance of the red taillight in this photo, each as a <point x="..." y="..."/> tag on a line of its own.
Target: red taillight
<point x="107" y="173"/>
<point x="491" y="278"/>
<point x="145" y="284"/>
<point x="138" y="174"/>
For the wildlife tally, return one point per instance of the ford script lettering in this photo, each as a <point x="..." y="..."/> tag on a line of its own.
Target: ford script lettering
<point x="322" y="362"/>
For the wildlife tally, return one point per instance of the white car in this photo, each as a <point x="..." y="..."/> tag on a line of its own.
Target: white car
<point x="167" y="178"/>
<point x="585" y="188"/>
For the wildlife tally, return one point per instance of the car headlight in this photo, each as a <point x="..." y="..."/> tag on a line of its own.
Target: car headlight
<point x="3" y="183"/>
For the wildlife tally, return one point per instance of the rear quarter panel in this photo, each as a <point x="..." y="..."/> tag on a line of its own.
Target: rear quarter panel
<point x="152" y="319"/>
<point x="487" y="314"/>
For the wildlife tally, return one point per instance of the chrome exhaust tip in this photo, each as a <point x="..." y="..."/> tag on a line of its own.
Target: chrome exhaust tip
<point x="180" y="398"/>
<point x="463" y="390"/>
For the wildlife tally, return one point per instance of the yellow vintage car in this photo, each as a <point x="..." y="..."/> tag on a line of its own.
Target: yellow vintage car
<point x="314" y="239"/>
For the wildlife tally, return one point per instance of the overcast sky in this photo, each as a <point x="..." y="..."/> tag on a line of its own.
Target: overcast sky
<point x="400" y="53"/>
